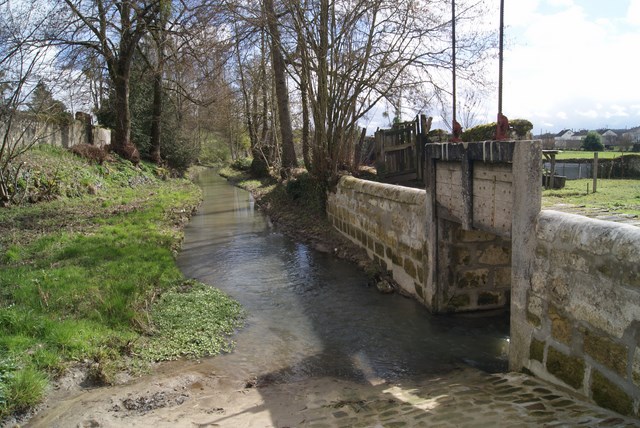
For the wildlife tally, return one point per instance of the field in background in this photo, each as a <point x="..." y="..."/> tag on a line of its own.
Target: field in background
<point x="616" y="196"/>
<point x="569" y="154"/>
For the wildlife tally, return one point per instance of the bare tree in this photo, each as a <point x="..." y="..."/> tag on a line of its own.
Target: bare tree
<point x="113" y="30"/>
<point x="354" y="54"/>
<point x="20" y="63"/>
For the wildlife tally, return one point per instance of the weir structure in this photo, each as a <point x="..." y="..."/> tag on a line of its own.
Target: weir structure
<point x="476" y="238"/>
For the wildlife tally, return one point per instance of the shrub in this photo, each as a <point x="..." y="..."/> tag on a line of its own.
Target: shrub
<point x="480" y="133"/>
<point x="93" y="154"/>
<point x="592" y="142"/>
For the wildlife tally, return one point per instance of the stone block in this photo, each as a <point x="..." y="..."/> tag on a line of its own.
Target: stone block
<point x="567" y="368"/>
<point x="535" y="304"/>
<point x="410" y="268"/>
<point x="607" y="352"/>
<point x="476" y="278"/>
<point x="495" y="255"/>
<point x="474" y="236"/>
<point x="420" y="271"/>
<point x="534" y="319"/>
<point x="635" y="368"/>
<point x="561" y="326"/>
<point x="502" y="277"/>
<point x="536" y="350"/>
<point x="631" y="276"/>
<point x="559" y="289"/>
<point x="489" y="298"/>
<point x="541" y="251"/>
<point x="461" y="256"/>
<point x="458" y="301"/>
<point x="608" y="395"/>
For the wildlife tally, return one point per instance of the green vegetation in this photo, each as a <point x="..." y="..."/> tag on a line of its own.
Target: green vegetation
<point x="621" y="196"/>
<point x="298" y="204"/>
<point x="93" y="278"/>
<point x="563" y="155"/>
<point x="593" y="142"/>
<point x="520" y="127"/>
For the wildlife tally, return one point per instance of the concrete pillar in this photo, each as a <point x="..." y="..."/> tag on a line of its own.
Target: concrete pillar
<point x="527" y="194"/>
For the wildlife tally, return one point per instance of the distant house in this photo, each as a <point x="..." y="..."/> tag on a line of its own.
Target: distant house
<point x="570" y="140"/>
<point x="565" y="134"/>
<point x="609" y="138"/>
<point x="548" y="140"/>
<point x="633" y="135"/>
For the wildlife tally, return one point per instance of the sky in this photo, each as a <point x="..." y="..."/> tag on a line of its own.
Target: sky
<point x="572" y="64"/>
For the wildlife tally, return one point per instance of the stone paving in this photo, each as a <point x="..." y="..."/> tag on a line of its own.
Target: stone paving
<point x="466" y="399"/>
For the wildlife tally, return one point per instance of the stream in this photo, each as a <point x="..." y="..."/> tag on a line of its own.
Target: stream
<point x="311" y="314"/>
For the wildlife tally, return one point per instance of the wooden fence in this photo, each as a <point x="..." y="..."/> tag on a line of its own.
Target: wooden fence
<point x="399" y="151"/>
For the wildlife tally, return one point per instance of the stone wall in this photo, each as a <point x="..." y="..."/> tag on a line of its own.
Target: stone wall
<point x="388" y="221"/>
<point x="476" y="269"/>
<point x="582" y="313"/>
<point x="26" y="131"/>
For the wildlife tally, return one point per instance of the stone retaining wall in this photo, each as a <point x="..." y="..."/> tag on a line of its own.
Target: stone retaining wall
<point x="474" y="267"/>
<point x="389" y="222"/>
<point x="582" y="312"/>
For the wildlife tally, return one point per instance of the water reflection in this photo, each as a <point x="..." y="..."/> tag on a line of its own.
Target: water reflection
<point x="311" y="314"/>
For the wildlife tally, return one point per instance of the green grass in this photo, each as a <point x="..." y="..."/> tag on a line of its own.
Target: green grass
<point x="622" y="196"/>
<point x="83" y="276"/>
<point x="568" y="154"/>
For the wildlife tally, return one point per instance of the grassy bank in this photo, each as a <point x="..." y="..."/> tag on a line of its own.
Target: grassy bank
<point x="622" y="196"/>
<point x="89" y="277"/>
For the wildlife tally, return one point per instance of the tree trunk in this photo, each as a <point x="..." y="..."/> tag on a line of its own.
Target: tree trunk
<point x="156" y="118"/>
<point x="121" y="143"/>
<point x="122" y="130"/>
<point x="289" y="159"/>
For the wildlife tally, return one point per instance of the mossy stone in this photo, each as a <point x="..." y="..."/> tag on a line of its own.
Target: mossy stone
<point x="608" y="395"/>
<point x="565" y="367"/>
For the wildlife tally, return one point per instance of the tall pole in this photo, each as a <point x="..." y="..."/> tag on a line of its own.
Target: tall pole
<point x="501" y="56"/>
<point x="453" y="54"/>
<point x="502" y="123"/>
<point x="455" y="126"/>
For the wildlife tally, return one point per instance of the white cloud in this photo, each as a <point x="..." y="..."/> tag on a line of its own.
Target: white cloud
<point x="566" y="63"/>
<point x="592" y="114"/>
<point x="633" y="13"/>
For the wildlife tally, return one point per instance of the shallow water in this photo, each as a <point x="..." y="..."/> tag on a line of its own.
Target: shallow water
<point x="310" y="314"/>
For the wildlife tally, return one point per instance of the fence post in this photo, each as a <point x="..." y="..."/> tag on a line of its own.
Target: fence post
<point x="595" y="171"/>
